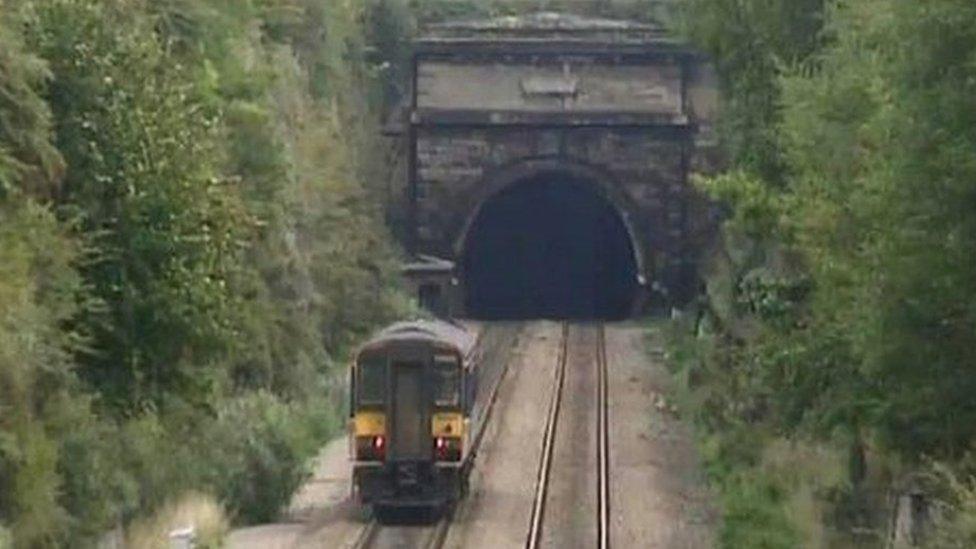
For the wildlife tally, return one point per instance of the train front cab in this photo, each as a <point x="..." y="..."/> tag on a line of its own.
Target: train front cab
<point x="408" y="424"/>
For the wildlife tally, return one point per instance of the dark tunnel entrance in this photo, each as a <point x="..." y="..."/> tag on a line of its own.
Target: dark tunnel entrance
<point x="549" y="247"/>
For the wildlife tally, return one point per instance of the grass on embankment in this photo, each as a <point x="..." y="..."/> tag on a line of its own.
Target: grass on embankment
<point x="199" y="512"/>
<point x="773" y="492"/>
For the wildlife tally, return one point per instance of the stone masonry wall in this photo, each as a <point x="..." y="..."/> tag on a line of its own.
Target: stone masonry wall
<point x="647" y="167"/>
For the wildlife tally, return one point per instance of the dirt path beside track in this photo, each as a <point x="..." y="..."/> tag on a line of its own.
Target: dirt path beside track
<point x="658" y="493"/>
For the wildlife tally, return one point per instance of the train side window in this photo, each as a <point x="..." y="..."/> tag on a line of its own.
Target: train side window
<point x="447" y="381"/>
<point x="371" y="384"/>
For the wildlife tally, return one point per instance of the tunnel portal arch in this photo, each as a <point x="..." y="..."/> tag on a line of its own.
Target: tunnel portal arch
<point x="620" y="105"/>
<point x="603" y="184"/>
<point x="550" y="238"/>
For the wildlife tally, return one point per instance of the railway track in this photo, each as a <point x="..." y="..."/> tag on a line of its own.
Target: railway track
<point x="602" y="431"/>
<point x="374" y="535"/>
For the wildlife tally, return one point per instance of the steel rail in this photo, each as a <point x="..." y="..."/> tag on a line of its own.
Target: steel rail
<point x="367" y="535"/>
<point x="603" y="442"/>
<point x="439" y="535"/>
<point x="534" y="538"/>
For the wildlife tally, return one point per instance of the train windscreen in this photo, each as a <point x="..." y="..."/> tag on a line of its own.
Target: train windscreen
<point x="372" y="381"/>
<point x="447" y="381"/>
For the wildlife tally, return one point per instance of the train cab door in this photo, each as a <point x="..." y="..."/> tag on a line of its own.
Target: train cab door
<point x="410" y="433"/>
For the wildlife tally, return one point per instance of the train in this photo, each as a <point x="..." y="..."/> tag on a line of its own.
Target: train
<point x="412" y="389"/>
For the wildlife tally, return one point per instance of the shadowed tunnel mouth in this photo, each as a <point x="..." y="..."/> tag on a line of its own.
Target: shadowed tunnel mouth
<point x="549" y="247"/>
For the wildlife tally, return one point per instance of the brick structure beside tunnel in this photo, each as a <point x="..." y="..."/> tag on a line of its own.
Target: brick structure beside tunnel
<point x="616" y="106"/>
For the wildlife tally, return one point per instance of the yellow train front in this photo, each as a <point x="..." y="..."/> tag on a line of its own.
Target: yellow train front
<point x="412" y="389"/>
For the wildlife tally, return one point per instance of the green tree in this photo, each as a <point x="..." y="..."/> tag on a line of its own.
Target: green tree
<point x="857" y="284"/>
<point x="40" y="295"/>
<point x="143" y="181"/>
<point x="752" y="42"/>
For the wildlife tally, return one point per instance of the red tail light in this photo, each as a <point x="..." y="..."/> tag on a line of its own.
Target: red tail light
<point x="447" y="449"/>
<point x="371" y="448"/>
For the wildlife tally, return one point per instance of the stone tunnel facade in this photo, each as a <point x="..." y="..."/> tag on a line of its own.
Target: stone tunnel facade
<point x="615" y="104"/>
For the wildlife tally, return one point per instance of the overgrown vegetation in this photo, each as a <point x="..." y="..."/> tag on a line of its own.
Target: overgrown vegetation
<point x="841" y="304"/>
<point x="190" y="242"/>
<point x="201" y="513"/>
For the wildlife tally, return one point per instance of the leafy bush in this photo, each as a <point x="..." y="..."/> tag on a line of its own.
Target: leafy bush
<point x="774" y="491"/>
<point x="754" y="515"/>
<point x="957" y="528"/>
<point x="261" y="450"/>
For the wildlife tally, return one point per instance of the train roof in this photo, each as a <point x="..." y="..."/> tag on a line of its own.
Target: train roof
<point x="433" y="331"/>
